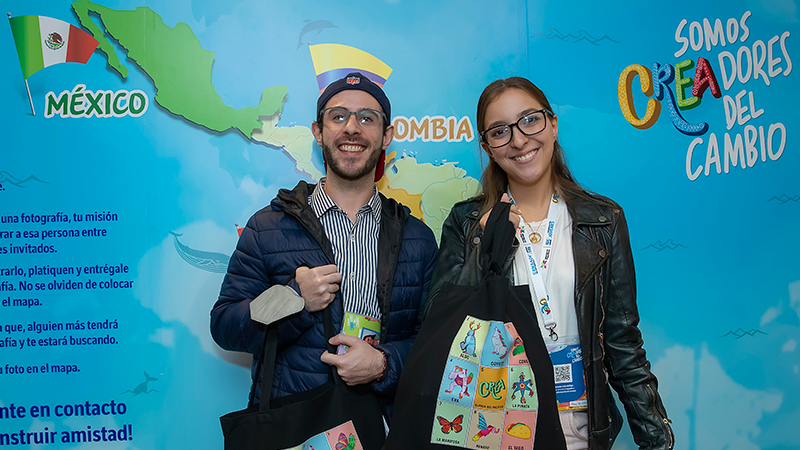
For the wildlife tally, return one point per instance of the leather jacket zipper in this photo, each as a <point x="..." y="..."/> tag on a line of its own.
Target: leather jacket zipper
<point x="662" y="416"/>
<point x="602" y="321"/>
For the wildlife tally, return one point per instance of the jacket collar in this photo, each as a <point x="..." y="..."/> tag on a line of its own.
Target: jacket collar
<point x="582" y="210"/>
<point x="321" y="202"/>
<point x="295" y="203"/>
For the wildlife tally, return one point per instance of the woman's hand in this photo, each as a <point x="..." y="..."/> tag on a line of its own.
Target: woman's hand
<point x="513" y="215"/>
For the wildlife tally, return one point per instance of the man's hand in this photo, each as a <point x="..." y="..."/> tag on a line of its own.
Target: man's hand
<point x="513" y="215"/>
<point x="361" y="364"/>
<point x="318" y="286"/>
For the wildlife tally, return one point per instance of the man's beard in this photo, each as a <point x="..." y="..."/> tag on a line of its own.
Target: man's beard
<point x="356" y="173"/>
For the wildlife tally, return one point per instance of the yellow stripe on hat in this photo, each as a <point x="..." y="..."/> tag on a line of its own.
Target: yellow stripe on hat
<point x="328" y="57"/>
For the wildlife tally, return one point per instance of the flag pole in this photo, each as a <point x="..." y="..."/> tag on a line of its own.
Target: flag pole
<point x="29" y="97"/>
<point x="27" y="88"/>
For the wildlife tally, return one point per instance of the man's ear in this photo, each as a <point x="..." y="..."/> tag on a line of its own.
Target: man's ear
<point x="388" y="135"/>
<point x="316" y="130"/>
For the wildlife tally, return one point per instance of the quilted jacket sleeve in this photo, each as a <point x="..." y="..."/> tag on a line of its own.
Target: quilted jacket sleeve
<point x="247" y="277"/>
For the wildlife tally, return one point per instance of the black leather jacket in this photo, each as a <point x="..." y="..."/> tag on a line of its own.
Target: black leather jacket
<point x="605" y="303"/>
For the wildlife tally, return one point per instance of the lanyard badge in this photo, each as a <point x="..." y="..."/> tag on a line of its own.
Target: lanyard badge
<point x="538" y="266"/>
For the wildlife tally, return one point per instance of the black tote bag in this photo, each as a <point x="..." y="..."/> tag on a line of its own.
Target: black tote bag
<point x="333" y="415"/>
<point x="469" y="383"/>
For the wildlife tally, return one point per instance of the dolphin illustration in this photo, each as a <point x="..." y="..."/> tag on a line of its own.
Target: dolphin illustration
<point x="311" y="26"/>
<point x="142" y="387"/>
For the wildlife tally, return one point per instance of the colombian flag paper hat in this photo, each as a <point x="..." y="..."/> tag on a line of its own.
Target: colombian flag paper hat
<point x="334" y="61"/>
<point x="338" y="67"/>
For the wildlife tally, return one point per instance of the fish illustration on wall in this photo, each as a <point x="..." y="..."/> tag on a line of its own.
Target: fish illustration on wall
<point x="208" y="261"/>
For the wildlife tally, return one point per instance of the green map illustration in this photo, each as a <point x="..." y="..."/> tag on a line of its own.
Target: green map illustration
<point x="180" y="70"/>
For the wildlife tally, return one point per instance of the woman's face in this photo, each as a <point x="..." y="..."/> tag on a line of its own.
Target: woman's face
<point x="525" y="159"/>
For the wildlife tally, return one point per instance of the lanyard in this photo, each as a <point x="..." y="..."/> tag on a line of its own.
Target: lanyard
<point x="538" y="267"/>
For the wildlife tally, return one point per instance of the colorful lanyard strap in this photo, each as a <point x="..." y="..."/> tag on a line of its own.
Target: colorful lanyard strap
<point x="538" y="267"/>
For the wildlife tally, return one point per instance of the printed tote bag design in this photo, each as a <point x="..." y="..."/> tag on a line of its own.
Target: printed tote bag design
<point x="479" y="375"/>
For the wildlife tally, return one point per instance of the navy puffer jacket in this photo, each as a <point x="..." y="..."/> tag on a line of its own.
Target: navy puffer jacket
<point x="287" y="234"/>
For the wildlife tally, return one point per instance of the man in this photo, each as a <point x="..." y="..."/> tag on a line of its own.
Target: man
<point x="338" y="243"/>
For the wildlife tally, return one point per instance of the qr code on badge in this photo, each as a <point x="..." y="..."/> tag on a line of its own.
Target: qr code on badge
<point x="563" y="373"/>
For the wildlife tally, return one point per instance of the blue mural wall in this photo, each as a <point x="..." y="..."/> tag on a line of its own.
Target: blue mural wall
<point x="121" y="197"/>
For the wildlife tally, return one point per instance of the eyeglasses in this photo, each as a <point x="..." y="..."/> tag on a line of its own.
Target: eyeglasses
<point x="529" y="124"/>
<point x="337" y="116"/>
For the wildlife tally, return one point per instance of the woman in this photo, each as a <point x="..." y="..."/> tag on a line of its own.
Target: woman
<point x="582" y="282"/>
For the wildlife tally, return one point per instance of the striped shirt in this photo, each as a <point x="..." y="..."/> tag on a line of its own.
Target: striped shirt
<point x="355" y="248"/>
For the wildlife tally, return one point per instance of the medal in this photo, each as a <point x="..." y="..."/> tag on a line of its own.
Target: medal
<point x="534" y="235"/>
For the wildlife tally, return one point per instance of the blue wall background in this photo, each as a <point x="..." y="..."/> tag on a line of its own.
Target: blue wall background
<point x="719" y="279"/>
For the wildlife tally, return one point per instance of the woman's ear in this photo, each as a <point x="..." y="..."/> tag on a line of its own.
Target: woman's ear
<point x="487" y="149"/>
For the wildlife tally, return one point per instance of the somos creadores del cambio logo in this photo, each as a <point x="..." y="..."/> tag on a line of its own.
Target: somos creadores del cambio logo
<point x="42" y="42"/>
<point x="334" y="61"/>
<point x="673" y="87"/>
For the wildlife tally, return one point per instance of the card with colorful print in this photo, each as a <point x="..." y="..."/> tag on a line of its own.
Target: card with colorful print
<point x="450" y="424"/>
<point x="522" y="389"/>
<point x="492" y="388"/>
<point x="470" y="339"/>
<point x="362" y="327"/>
<point x="485" y="429"/>
<point x="517" y="356"/>
<point x="497" y="346"/>
<point x="518" y="430"/>
<point x="459" y="382"/>
<point x="343" y="437"/>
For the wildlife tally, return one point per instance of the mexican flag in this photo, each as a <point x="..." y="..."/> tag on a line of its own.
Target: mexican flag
<point x="43" y="41"/>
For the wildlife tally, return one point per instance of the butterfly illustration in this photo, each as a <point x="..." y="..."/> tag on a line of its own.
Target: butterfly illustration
<point x="455" y="425"/>
<point x="345" y="443"/>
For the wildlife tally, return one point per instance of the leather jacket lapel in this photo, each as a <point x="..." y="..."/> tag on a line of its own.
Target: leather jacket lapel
<point x="589" y="249"/>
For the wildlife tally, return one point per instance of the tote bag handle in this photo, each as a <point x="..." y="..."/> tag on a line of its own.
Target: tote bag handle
<point x="266" y="366"/>
<point x="497" y="241"/>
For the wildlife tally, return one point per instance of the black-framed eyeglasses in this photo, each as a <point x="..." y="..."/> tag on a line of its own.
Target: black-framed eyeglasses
<point x="337" y="116"/>
<point x="529" y="124"/>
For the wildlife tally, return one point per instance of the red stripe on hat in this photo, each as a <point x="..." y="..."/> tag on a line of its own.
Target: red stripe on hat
<point x="81" y="45"/>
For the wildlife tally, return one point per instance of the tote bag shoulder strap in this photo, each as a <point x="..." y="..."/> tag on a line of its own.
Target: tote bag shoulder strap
<point x="270" y="353"/>
<point x="498" y="239"/>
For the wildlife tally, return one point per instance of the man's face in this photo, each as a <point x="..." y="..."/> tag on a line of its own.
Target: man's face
<point x="351" y="150"/>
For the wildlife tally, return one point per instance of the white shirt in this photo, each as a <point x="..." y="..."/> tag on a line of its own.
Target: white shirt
<point x="560" y="274"/>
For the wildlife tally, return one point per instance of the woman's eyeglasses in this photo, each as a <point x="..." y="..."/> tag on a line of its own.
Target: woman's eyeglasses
<point x="529" y="124"/>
